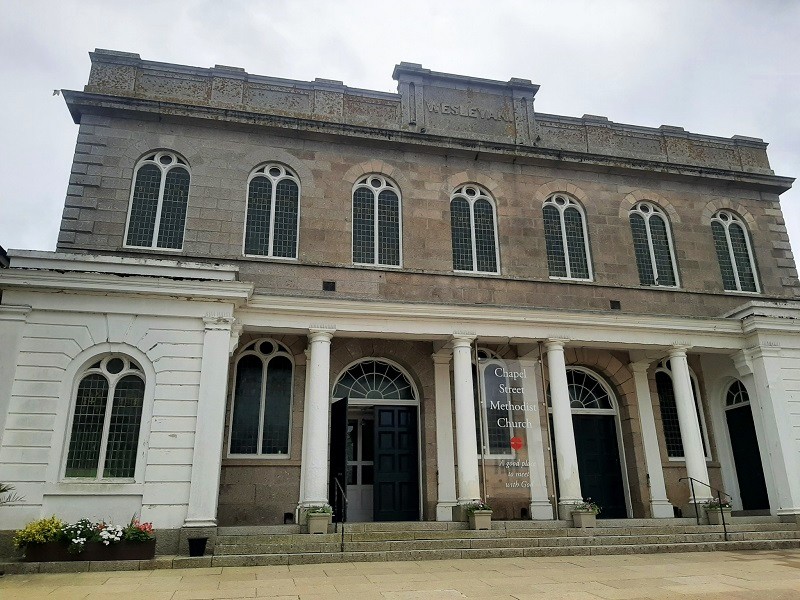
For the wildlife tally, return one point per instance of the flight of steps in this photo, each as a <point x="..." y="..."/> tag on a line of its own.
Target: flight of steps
<point x="250" y="546"/>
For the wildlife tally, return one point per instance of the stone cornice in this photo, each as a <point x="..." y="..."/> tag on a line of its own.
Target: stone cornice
<point x="80" y="102"/>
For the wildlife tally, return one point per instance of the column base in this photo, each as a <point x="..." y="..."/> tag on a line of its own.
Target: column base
<point x="444" y="511"/>
<point x="688" y="510"/>
<point x="565" y="509"/>
<point x="541" y="510"/>
<point x="200" y="523"/>
<point x="661" y="509"/>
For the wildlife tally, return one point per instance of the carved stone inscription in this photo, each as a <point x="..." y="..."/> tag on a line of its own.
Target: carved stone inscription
<point x="482" y="114"/>
<point x="466" y="111"/>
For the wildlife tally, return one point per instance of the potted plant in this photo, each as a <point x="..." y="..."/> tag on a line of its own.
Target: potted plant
<point x="584" y="514"/>
<point x="479" y="515"/>
<point x="49" y="540"/>
<point x="318" y="518"/>
<point x="714" y="511"/>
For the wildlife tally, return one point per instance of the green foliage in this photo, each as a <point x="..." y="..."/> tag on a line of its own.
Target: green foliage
<point x="476" y="506"/>
<point x="77" y="534"/>
<point x="588" y="505"/>
<point x="39" y="532"/>
<point x="319" y="510"/>
<point x="137" y="531"/>
<point x="7" y="495"/>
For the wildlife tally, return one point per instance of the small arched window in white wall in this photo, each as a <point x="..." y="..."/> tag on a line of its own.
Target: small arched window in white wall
<point x="566" y="238"/>
<point x="273" y="208"/>
<point x="106" y="421"/>
<point x="474" y="230"/>
<point x="159" y="200"/>
<point x="377" y="224"/>
<point x="262" y="400"/>
<point x="734" y="253"/>
<point x="652" y="244"/>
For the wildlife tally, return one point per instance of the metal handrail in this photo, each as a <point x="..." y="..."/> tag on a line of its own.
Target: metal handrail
<point x="719" y="493"/>
<point x="340" y="490"/>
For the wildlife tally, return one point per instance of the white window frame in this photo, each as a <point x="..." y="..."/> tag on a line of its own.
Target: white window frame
<point x="365" y="182"/>
<point x="569" y="202"/>
<point x="263" y="170"/>
<point x="480" y="193"/>
<point x="654" y="209"/>
<point x="252" y="349"/>
<point x="729" y="219"/>
<point x="663" y="368"/>
<point x="113" y="379"/>
<point x="153" y="158"/>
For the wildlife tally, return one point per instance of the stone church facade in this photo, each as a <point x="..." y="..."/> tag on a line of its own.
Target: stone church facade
<point x="268" y="294"/>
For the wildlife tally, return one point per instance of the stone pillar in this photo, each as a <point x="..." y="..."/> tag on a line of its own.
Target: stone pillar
<point x="540" y="507"/>
<point x="469" y="489"/>
<point x="771" y="415"/>
<point x="569" y="482"/>
<point x="660" y="506"/>
<point x="316" y="435"/>
<point x="445" y="459"/>
<point x="691" y="437"/>
<point x="210" y="424"/>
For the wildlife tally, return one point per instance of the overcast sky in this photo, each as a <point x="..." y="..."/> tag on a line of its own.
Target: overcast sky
<point x="721" y="68"/>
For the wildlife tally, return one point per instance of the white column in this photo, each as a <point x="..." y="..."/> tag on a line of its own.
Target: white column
<point x="540" y="507"/>
<point x="469" y="488"/>
<point x="569" y="482"/>
<point x="445" y="459"/>
<point x="210" y="424"/>
<point x="689" y="425"/>
<point x="317" y="422"/>
<point x="660" y="506"/>
<point x="771" y="414"/>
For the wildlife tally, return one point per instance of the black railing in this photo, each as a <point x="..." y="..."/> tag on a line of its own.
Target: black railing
<point x="340" y="501"/>
<point x="719" y="494"/>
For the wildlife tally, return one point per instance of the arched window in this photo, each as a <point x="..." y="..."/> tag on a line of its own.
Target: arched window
<point x="104" y="440"/>
<point x="262" y="400"/>
<point x="376" y="222"/>
<point x="737" y="395"/>
<point x="374" y="379"/>
<point x="494" y="435"/>
<point x="160" y="195"/>
<point x="652" y="243"/>
<point x="474" y="230"/>
<point x="566" y="238"/>
<point x="734" y="253"/>
<point x="273" y="207"/>
<point x="669" y="411"/>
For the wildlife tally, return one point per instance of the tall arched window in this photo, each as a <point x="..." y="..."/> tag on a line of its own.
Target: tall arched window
<point x="273" y="207"/>
<point x="376" y="222"/>
<point x="262" y="400"/>
<point x="160" y="195"/>
<point x="104" y="440"/>
<point x="566" y="238"/>
<point x="734" y="253"/>
<point x="652" y="243"/>
<point x="474" y="230"/>
<point x="496" y="406"/>
<point x="669" y="411"/>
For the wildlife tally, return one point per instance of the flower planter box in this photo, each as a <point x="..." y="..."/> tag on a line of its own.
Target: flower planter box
<point x="57" y="552"/>
<point x="581" y="518"/>
<point x="480" y="519"/>
<point x="714" y="518"/>
<point x="318" y="522"/>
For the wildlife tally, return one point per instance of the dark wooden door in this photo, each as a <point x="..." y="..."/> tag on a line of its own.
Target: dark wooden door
<point x="396" y="491"/>
<point x="747" y="458"/>
<point x="338" y="466"/>
<point x="599" y="463"/>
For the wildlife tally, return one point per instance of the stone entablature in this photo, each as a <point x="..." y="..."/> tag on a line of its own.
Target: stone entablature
<point x="433" y="105"/>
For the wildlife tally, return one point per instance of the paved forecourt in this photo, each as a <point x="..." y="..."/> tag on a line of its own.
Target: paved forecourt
<point x="769" y="575"/>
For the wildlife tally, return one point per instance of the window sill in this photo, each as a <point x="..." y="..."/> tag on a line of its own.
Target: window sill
<point x="153" y="249"/>
<point x="576" y="279"/>
<point x="478" y="273"/>
<point x="271" y="258"/>
<point x="377" y="266"/>
<point x="96" y="486"/>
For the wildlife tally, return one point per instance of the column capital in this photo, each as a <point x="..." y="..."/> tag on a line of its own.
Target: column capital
<point x="743" y="362"/>
<point x="212" y="321"/>
<point x="555" y="343"/>
<point x="320" y="334"/>
<point x="640" y="366"/>
<point x="678" y="350"/>
<point x="236" y="332"/>
<point x="463" y="339"/>
<point x="442" y="357"/>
